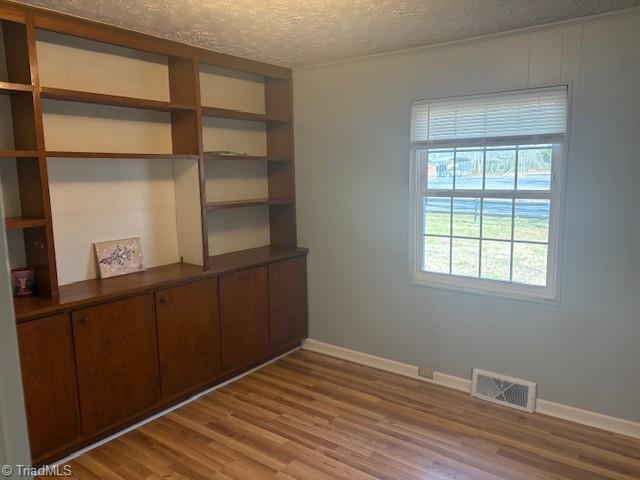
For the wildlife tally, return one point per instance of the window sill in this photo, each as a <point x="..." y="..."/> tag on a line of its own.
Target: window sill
<point x="487" y="288"/>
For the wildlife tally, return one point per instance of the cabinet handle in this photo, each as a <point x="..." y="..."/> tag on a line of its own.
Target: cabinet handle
<point x="163" y="300"/>
<point x="84" y="321"/>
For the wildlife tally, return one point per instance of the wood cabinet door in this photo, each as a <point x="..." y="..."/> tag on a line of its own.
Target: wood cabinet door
<point x="49" y="382"/>
<point x="288" y="302"/>
<point x="244" y="318"/>
<point x="117" y="358"/>
<point x="188" y="336"/>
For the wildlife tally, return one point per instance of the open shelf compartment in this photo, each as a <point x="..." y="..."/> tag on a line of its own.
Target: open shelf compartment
<point x="112" y="100"/>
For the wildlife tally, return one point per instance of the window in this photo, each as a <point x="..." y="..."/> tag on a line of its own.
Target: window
<point x="486" y="181"/>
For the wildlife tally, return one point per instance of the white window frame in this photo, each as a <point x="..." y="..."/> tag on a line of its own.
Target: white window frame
<point x="545" y="294"/>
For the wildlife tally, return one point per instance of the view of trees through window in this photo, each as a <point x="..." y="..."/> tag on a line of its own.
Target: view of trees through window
<point x="486" y="211"/>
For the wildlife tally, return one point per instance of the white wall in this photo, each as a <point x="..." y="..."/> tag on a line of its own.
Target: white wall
<point x="223" y="88"/>
<point x="352" y="151"/>
<point x="100" y="68"/>
<point x="96" y="200"/>
<point x="98" y="128"/>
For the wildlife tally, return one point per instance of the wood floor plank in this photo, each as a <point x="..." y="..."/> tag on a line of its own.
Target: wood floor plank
<point x="310" y="416"/>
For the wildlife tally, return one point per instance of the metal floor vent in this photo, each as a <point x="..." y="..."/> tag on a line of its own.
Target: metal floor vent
<point x="507" y="391"/>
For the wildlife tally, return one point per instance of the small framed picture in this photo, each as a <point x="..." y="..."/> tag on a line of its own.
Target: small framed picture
<point x="119" y="257"/>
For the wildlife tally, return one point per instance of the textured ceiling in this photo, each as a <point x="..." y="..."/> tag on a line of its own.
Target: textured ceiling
<point x="297" y="33"/>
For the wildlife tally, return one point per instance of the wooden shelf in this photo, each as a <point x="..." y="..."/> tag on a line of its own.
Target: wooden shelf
<point x="8" y="87"/>
<point x="100" y="290"/>
<point x="240" y="115"/>
<point x="215" y="156"/>
<point x="252" y="202"/>
<point x="18" y="153"/>
<point x="89" y="292"/>
<point x="113" y="100"/>
<point x="15" y="223"/>
<point x="252" y="257"/>
<point x="174" y="156"/>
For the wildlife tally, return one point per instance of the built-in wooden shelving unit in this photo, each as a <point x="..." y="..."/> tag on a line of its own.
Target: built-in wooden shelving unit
<point x="187" y="116"/>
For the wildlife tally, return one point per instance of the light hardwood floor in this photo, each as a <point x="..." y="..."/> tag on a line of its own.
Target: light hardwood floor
<point x="309" y="416"/>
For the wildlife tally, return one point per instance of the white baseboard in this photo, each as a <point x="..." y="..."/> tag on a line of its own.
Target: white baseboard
<point x="457" y="383"/>
<point x="362" y="358"/>
<point x="544" y="407"/>
<point x="589" y="418"/>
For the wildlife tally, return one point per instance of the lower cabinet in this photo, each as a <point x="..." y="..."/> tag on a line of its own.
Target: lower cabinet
<point x="244" y="318"/>
<point x="90" y="371"/>
<point x="49" y="382"/>
<point x="117" y="361"/>
<point x="188" y="336"/>
<point x="287" y="302"/>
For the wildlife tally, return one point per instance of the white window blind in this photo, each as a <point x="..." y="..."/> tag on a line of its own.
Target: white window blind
<point x="534" y="115"/>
